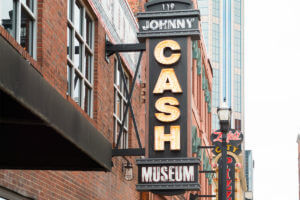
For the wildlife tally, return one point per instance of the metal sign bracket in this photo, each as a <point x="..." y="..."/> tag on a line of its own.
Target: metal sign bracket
<point x="196" y="196"/>
<point x="111" y="49"/>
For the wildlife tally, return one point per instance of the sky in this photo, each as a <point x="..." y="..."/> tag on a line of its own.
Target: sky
<point x="272" y="95"/>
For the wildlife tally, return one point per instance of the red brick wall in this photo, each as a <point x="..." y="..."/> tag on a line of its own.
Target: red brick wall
<point x="201" y="116"/>
<point x="52" y="64"/>
<point x="52" y="42"/>
<point x="137" y="5"/>
<point x="68" y="185"/>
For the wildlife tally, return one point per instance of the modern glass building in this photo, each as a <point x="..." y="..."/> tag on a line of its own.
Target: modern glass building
<point x="223" y="31"/>
<point x="249" y="165"/>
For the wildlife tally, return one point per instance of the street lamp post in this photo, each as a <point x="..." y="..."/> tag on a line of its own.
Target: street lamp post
<point x="224" y="115"/>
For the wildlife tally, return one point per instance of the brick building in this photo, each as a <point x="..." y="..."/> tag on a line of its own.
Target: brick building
<point x="62" y="100"/>
<point x="201" y="108"/>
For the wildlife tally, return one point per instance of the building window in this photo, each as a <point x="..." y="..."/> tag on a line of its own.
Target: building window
<point x="18" y="17"/>
<point x="80" y="55"/>
<point x="120" y="102"/>
<point x="237" y="49"/>
<point x="237" y="11"/>
<point x="216" y="8"/>
<point x="237" y="93"/>
<point x="203" y="7"/>
<point x="216" y="88"/>
<point x="204" y="26"/>
<point x="238" y="125"/>
<point x="216" y="42"/>
<point x="215" y="122"/>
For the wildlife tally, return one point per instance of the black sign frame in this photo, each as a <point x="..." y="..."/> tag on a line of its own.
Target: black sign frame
<point x="181" y="73"/>
<point x="162" y="13"/>
<point x="171" y="187"/>
<point x="183" y="10"/>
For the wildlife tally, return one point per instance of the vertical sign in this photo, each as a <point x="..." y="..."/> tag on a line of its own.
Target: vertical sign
<point x="230" y="177"/>
<point x="168" y="27"/>
<point x="234" y="140"/>
<point x="168" y="98"/>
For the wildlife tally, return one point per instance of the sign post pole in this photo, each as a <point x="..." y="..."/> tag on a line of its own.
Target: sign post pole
<point x="227" y="145"/>
<point x="223" y="167"/>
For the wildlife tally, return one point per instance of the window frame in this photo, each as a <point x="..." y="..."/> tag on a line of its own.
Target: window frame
<point x="237" y="12"/>
<point x="203" y="6"/>
<point x="237" y="49"/>
<point x="205" y="31"/>
<point x="215" y="122"/>
<point x="216" y="42"/>
<point x="237" y="93"/>
<point x="18" y="5"/>
<point x="216" y="88"/>
<point x="87" y="81"/>
<point x="216" y="8"/>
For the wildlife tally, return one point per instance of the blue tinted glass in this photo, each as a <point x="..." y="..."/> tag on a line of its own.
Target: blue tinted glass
<point x="204" y="26"/>
<point x="237" y="93"/>
<point x="216" y="88"/>
<point x="203" y="6"/>
<point x="216" y="42"/>
<point x="237" y="11"/>
<point x="216" y="8"/>
<point x="237" y="49"/>
<point x="215" y="122"/>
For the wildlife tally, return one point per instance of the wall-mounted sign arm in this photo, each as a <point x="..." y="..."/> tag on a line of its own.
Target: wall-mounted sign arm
<point x="129" y="152"/>
<point x="207" y="171"/>
<point x="111" y="48"/>
<point x="206" y="147"/>
<point x="196" y="196"/>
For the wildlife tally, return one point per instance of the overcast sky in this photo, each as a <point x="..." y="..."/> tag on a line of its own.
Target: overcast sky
<point x="272" y="95"/>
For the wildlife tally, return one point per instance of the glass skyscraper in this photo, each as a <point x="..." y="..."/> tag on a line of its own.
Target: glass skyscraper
<point x="223" y="31"/>
<point x="249" y="166"/>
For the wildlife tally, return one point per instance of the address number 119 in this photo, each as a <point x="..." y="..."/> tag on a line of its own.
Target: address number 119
<point x="168" y="6"/>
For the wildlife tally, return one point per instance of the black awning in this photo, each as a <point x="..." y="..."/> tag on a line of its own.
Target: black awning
<point x="39" y="129"/>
